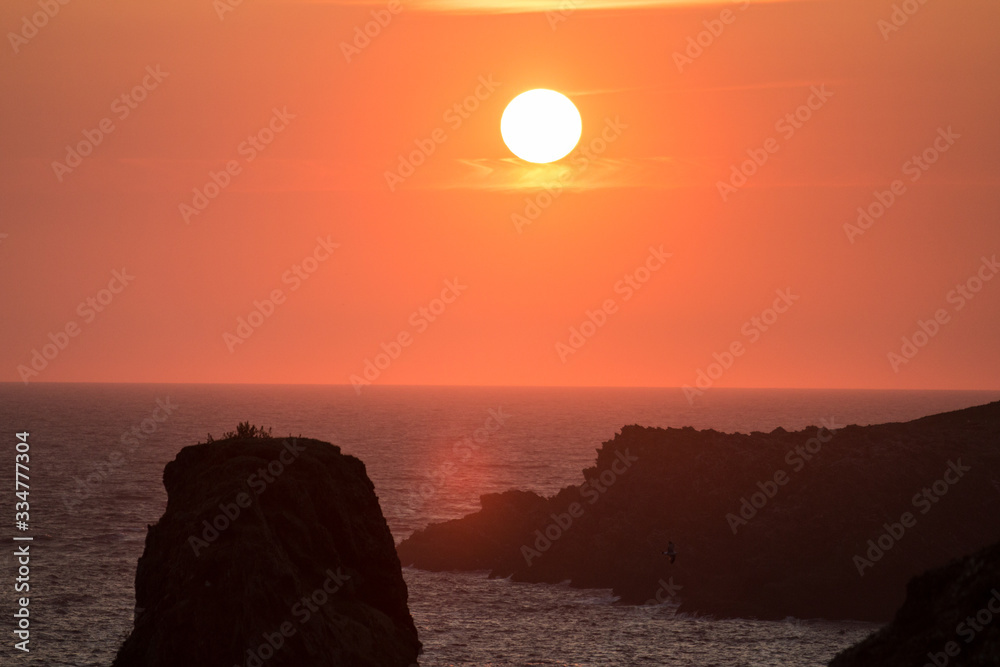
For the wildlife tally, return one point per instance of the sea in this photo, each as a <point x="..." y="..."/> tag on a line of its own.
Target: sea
<point x="97" y="453"/>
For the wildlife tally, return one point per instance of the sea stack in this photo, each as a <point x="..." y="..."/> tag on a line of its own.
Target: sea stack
<point x="271" y="553"/>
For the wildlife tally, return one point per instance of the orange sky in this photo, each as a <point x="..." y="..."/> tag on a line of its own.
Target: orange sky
<point x="335" y="128"/>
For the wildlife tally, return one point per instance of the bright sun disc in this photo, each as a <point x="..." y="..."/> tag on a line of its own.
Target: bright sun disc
<point x="541" y="125"/>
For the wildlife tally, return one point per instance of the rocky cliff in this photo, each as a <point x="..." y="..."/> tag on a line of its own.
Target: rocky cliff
<point x="827" y="522"/>
<point x="270" y="552"/>
<point x="951" y="617"/>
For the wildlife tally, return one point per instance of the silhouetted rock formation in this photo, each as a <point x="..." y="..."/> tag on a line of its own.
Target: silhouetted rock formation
<point x="951" y="617"/>
<point x="804" y="552"/>
<point x="271" y="552"/>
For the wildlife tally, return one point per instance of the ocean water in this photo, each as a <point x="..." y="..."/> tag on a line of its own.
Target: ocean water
<point x="95" y="487"/>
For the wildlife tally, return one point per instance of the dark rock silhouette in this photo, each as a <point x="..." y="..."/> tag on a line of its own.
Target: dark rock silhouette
<point x="821" y="495"/>
<point x="271" y="552"/>
<point x="951" y="617"/>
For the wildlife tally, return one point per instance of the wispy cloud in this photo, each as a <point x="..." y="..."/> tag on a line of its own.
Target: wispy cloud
<point x="673" y="89"/>
<point x="590" y="173"/>
<point x="529" y="6"/>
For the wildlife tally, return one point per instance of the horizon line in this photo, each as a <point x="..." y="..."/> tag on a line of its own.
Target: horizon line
<point x="489" y="386"/>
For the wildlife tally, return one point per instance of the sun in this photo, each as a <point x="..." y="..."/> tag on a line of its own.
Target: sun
<point x="541" y="125"/>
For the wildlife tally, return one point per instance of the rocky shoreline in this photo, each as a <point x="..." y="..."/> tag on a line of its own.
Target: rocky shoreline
<point x="821" y="523"/>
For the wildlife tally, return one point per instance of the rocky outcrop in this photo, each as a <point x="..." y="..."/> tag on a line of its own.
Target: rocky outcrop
<point x="951" y="617"/>
<point x="821" y="523"/>
<point x="271" y="552"/>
